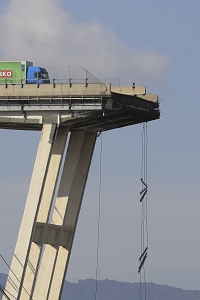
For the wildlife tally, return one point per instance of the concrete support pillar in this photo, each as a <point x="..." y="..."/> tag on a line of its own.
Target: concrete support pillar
<point x="68" y="203"/>
<point x="43" y="213"/>
<point x="43" y="247"/>
<point x="34" y="196"/>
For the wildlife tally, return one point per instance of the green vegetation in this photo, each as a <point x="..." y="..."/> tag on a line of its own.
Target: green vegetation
<point x="115" y="290"/>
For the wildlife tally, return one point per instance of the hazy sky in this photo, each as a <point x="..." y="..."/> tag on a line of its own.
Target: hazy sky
<point x="153" y="43"/>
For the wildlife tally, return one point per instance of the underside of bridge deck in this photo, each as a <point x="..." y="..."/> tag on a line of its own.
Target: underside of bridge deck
<point x="97" y="109"/>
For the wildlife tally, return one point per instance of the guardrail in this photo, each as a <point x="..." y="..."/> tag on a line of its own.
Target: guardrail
<point x="64" y="75"/>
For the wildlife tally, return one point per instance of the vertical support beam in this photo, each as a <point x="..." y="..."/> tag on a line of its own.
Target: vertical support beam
<point x="44" y="209"/>
<point x="56" y="257"/>
<point x="72" y="213"/>
<point x="38" y="272"/>
<point x="33" y="199"/>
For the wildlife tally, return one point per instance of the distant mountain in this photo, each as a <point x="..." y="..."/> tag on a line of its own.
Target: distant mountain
<point x="115" y="290"/>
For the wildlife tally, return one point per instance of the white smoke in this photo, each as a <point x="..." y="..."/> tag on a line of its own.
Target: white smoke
<point x="40" y="31"/>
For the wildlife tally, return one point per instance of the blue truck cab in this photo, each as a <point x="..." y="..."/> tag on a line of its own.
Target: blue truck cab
<point x="37" y="75"/>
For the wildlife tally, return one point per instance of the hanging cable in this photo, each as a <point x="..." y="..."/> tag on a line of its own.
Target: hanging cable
<point x="2" y="290"/>
<point x="143" y="200"/>
<point x="5" y="292"/>
<point x="15" y="276"/>
<point x="99" y="216"/>
<point x="14" y="286"/>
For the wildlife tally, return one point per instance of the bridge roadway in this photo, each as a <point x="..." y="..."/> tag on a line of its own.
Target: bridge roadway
<point x="77" y="111"/>
<point x="93" y="107"/>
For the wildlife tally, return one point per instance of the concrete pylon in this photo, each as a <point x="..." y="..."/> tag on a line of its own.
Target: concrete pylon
<point x="47" y="230"/>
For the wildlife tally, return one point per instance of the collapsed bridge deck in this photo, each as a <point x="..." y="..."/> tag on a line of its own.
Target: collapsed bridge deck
<point x="92" y="107"/>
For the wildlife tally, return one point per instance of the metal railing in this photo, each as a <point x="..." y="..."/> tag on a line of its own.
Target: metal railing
<point x="66" y="75"/>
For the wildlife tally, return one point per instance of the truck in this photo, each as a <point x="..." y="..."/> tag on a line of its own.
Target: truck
<point x="22" y="72"/>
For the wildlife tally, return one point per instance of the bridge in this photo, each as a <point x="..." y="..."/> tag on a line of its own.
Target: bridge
<point x="92" y="107"/>
<point x="68" y="115"/>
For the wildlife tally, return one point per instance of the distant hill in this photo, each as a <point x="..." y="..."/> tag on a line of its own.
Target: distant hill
<point x="115" y="290"/>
